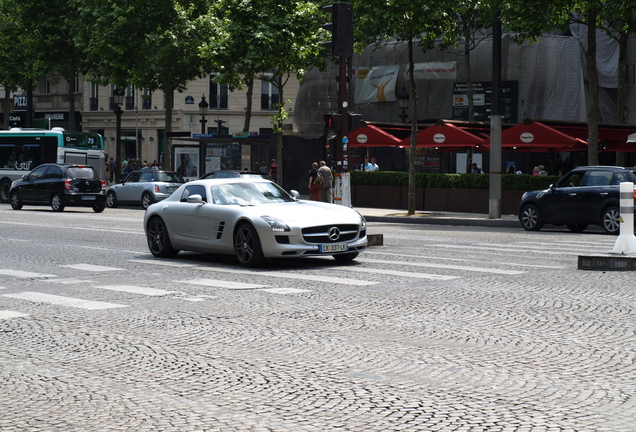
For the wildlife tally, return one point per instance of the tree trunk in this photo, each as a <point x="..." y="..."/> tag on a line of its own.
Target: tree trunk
<point x="248" y="110"/>
<point x="6" y="111"/>
<point x="622" y="89"/>
<point x="471" y="101"/>
<point x="167" y="148"/>
<point x="279" y="141"/>
<point x="71" y="103"/>
<point x="592" y="74"/>
<point x="413" y="151"/>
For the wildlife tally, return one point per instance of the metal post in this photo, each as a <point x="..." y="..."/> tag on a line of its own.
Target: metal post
<point x="118" y="113"/>
<point x="494" y="203"/>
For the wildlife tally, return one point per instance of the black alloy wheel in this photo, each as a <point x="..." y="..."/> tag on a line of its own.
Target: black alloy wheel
<point x="247" y="246"/>
<point x="530" y="218"/>
<point x="111" y="199"/>
<point x="611" y="220"/>
<point x="16" y="202"/>
<point x="158" y="239"/>
<point x="56" y="202"/>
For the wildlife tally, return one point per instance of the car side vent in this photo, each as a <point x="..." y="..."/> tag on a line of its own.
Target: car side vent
<point x="219" y="233"/>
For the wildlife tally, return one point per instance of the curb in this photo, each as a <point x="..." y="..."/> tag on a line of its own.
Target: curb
<point x="485" y="222"/>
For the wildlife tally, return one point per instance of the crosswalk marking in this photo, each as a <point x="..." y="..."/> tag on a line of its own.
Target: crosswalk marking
<point x="223" y="284"/>
<point x="284" y="290"/>
<point x="423" y="257"/>
<point x="321" y="278"/>
<point x="24" y="274"/>
<point x="398" y="273"/>
<point x="444" y="266"/>
<point x="63" y="301"/>
<point x="137" y="290"/>
<point x="92" y="267"/>
<point x="11" y="314"/>
<point x="69" y="281"/>
<point x="162" y="263"/>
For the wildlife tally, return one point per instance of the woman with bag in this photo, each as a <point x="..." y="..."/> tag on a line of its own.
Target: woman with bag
<point x="315" y="181"/>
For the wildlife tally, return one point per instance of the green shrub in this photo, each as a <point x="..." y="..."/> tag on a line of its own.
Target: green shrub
<point x="457" y="181"/>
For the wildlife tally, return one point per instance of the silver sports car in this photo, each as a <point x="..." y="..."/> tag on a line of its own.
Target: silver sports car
<point x="252" y="219"/>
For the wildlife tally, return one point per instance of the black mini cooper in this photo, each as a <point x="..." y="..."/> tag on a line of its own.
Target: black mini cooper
<point x="585" y="196"/>
<point x="60" y="185"/>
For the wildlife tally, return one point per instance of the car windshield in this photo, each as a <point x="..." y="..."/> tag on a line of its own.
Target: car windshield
<point x="249" y="194"/>
<point x="87" y="173"/>
<point x="172" y="177"/>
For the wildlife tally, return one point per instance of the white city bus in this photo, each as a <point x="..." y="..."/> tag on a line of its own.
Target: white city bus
<point x="21" y="150"/>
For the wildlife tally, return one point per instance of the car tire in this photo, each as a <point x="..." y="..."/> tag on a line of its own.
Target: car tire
<point x="611" y="220"/>
<point x="146" y="200"/>
<point x="247" y="246"/>
<point x="5" y="187"/>
<point x="57" y="204"/>
<point x="159" y="239"/>
<point x="346" y="257"/>
<point x="16" y="202"/>
<point x="111" y="199"/>
<point x="530" y="218"/>
<point x="577" y="228"/>
<point x="98" y="208"/>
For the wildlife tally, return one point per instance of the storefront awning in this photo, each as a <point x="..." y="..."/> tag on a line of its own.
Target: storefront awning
<point x="445" y="136"/>
<point x="371" y="136"/>
<point x="536" y="136"/>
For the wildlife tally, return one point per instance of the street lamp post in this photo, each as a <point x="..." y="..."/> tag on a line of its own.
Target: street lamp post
<point x="118" y="100"/>
<point x="203" y="110"/>
<point x="403" y="100"/>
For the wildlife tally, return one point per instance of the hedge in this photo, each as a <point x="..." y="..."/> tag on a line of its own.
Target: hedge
<point x="457" y="181"/>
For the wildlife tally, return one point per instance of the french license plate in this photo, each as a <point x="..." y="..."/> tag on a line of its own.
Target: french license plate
<point x="89" y="198"/>
<point x="340" y="247"/>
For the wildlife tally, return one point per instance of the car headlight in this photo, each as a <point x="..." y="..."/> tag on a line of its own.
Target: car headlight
<point x="276" y="224"/>
<point x="363" y="221"/>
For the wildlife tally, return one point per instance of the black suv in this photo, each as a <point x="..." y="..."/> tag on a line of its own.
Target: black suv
<point x="60" y="185"/>
<point x="585" y="196"/>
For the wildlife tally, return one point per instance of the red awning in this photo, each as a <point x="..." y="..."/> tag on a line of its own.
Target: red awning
<point x="535" y="136"/>
<point x="446" y="136"/>
<point x="371" y="136"/>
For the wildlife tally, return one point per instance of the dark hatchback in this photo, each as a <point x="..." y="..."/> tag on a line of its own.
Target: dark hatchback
<point x="60" y="185"/>
<point x="585" y="196"/>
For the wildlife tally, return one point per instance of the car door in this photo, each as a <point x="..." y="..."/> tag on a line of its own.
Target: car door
<point x="52" y="182"/>
<point x="30" y="187"/>
<point x="596" y="190"/>
<point x="191" y="219"/>
<point x="560" y="204"/>
<point x="129" y="191"/>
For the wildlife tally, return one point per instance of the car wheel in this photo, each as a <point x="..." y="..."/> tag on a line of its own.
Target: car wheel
<point x="530" y="218"/>
<point x="5" y="186"/>
<point x="611" y="220"/>
<point x="577" y="228"/>
<point x="111" y="199"/>
<point x="56" y="202"/>
<point x="346" y="257"/>
<point x="98" y="208"/>
<point x="247" y="246"/>
<point x="16" y="202"/>
<point x="159" y="239"/>
<point x="146" y="200"/>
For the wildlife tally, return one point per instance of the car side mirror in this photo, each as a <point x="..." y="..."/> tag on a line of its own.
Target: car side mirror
<point x="196" y="199"/>
<point x="294" y="193"/>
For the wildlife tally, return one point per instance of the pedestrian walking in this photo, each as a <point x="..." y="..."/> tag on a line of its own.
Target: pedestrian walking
<point x="326" y="192"/>
<point x="315" y="181"/>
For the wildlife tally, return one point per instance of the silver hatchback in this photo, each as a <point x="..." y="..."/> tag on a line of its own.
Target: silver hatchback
<point x="144" y="187"/>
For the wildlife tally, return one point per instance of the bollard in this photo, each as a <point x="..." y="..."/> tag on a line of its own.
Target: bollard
<point x="626" y="241"/>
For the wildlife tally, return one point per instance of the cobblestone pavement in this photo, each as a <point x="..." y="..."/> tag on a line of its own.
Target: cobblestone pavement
<point x="440" y="329"/>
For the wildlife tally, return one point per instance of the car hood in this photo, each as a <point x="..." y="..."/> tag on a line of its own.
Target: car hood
<point x="306" y="213"/>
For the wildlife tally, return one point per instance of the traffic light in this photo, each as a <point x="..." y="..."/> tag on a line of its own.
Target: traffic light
<point x="354" y="121"/>
<point x="333" y="121"/>
<point x="341" y="28"/>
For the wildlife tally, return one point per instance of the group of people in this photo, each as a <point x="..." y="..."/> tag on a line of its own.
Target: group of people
<point x="127" y="165"/>
<point x="321" y="179"/>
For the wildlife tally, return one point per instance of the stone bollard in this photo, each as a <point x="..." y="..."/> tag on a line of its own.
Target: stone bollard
<point x="626" y="241"/>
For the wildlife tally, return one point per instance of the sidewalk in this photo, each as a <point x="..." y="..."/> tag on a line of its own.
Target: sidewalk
<point x="438" y="218"/>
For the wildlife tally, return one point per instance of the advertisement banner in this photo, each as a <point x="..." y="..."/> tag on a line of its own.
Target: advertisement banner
<point x="376" y="84"/>
<point x="435" y="70"/>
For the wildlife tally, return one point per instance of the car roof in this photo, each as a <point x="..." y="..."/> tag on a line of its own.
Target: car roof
<point x="151" y="170"/>
<point x="228" y="180"/>
<point x="603" y="168"/>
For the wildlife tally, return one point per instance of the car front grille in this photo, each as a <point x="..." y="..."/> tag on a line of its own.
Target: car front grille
<point x="330" y="233"/>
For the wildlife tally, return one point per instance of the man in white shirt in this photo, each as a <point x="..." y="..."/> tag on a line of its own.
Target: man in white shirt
<point x="374" y="166"/>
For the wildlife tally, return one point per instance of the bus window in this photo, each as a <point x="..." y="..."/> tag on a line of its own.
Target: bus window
<point x="8" y="155"/>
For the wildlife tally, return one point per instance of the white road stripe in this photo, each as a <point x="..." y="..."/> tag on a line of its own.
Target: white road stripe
<point x="512" y="264"/>
<point x="444" y="266"/>
<point x="314" y="278"/>
<point x="137" y="290"/>
<point x="398" y="273"/>
<point x="223" y="284"/>
<point x="63" y="301"/>
<point x="12" y="314"/>
<point x="69" y="281"/>
<point x="25" y="274"/>
<point x="284" y="290"/>
<point x="162" y="263"/>
<point x="93" y="268"/>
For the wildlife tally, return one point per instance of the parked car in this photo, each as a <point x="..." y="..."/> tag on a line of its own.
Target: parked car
<point x="585" y="196"/>
<point x="144" y="187"/>
<point x="254" y="220"/>
<point x="60" y="185"/>
<point x="236" y="174"/>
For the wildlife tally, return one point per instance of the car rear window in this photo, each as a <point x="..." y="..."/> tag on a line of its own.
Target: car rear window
<point x="87" y="173"/>
<point x="172" y="177"/>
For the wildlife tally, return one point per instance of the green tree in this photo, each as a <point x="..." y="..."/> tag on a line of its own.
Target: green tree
<point x="416" y="22"/>
<point x="267" y="40"/>
<point x="151" y="44"/>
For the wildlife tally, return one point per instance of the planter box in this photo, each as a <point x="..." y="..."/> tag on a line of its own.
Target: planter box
<point x="365" y="196"/>
<point x="388" y="197"/>
<point x="510" y="201"/>
<point x="404" y="198"/>
<point x="436" y="199"/>
<point x="468" y="200"/>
